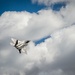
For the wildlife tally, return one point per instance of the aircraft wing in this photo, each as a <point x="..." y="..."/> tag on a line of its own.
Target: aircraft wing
<point x="13" y="41"/>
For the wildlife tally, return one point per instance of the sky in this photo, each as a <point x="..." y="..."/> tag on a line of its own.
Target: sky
<point x="50" y="25"/>
<point x="19" y="5"/>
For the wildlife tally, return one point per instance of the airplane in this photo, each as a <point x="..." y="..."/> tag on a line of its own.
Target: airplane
<point x="20" y="45"/>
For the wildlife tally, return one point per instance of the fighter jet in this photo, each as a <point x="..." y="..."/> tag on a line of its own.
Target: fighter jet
<point x="20" y="45"/>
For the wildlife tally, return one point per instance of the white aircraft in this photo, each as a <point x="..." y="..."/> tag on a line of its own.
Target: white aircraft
<point x="20" y="45"/>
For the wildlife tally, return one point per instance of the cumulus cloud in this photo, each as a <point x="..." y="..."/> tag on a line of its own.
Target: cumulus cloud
<point x="28" y="24"/>
<point x="54" y="56"/>
<point x="68" y="14"/>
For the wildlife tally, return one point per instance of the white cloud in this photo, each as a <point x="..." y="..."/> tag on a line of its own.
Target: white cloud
<point x="30" y="25"/>
<point x="55" y="56"/>
<point x="44" y="23"/>
<point x="13" y="22"/>
<point x="68" y="14"/>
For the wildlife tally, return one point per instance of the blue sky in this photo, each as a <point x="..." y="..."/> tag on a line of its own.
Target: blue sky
<point x="25" y="5"/>
<point x="41" y="40"/>
<point x="19" y="5"/>
<point x="57" y="6"/>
